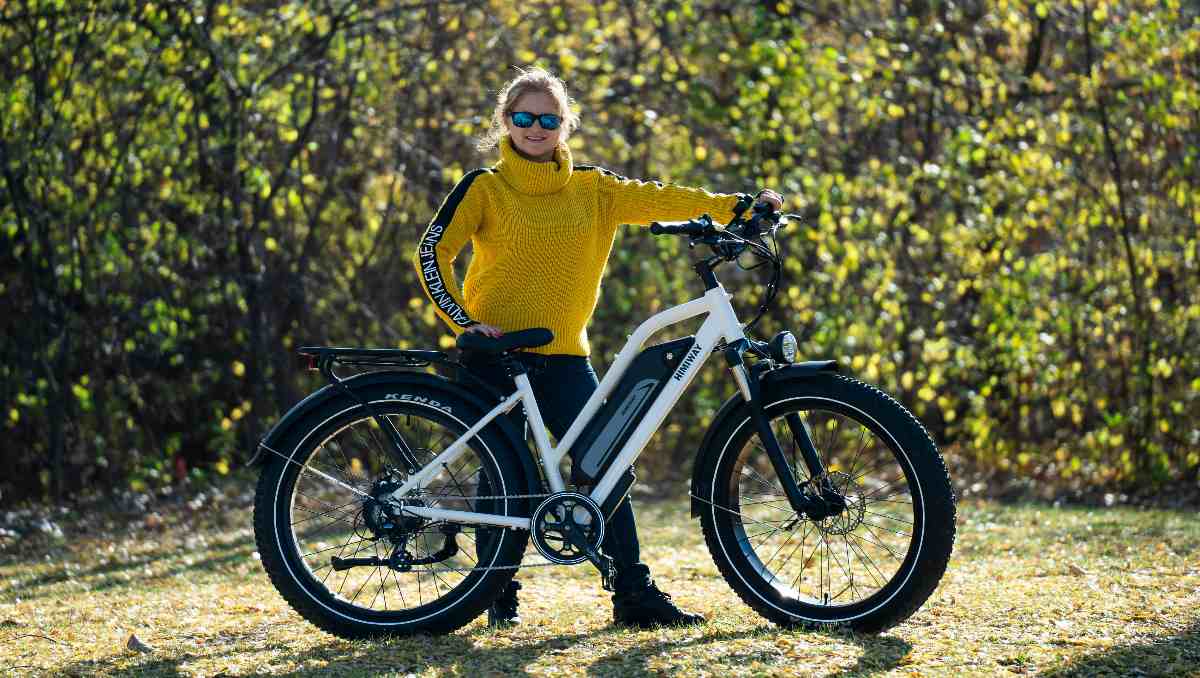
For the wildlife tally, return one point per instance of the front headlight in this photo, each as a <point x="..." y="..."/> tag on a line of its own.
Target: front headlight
<point x="783" y="347"/>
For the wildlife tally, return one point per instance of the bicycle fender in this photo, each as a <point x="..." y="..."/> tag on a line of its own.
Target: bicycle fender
<point x="706" y="458"/>
<point x="399" y="379"/>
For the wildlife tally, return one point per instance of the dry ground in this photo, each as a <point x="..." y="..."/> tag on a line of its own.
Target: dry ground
<point x="1030" y="590"/>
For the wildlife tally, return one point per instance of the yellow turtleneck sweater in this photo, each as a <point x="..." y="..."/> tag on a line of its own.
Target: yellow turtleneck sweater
<point x="541" y="233"/>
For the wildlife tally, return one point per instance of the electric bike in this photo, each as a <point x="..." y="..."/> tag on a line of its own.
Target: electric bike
<point x="400" y="501"/>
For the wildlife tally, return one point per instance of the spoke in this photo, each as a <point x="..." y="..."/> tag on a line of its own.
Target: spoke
<point x="767" y="502"/>
<point x="850" y="562"/>
<point x="893" y="501"/>
<point x="375" y="571"/>
<point x="875" y="573"/>
<point x="835" y="434"/>
<point x="778" y="549"/>
<point x="889" y="517"/>
<point x="885" y="530"/>
<point x="399" y="588"/>
<point x="874" y="543"/>
<point x="854" y="460"/>
<point x="330" y="548"/>
<point x="887" y="460"/>
<point x="438" y="578"/>
<point x="360" y="587"/>
<point x="803" y="562"/>
<point x="357" y="549"/>
<point x="829" y="551"/>
<point x="822" y="574"/>
<point x="758" y="477"/>
<point x="769" y="532"/>
<point x="881" y="489"/>
<point x="330" y="564"/>
<point x="757" y="495"/>
<point x="789" y="557"/>
<point x="461" y="491"/>
<point x="383" y="586"/>
<point x="323" y="503"/>
<point x="341" y="518"/>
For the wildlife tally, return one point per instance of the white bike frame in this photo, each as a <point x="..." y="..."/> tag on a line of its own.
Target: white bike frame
<point x="721" y="324"/>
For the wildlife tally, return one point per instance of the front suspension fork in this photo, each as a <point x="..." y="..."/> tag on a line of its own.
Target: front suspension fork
<point x="803" y="502"/>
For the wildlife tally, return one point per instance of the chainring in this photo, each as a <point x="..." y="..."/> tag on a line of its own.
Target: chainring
<point x="559" y="513"/>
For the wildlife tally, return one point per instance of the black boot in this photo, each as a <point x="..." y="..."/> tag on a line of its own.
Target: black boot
<point x="638" y="602"/>
<point x="503" y="611"/>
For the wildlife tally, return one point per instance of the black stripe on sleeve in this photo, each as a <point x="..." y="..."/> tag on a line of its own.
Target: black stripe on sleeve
<point x="431" y="273"/>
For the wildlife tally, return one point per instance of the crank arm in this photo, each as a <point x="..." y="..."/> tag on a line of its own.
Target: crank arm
<point x="603" y="563"/>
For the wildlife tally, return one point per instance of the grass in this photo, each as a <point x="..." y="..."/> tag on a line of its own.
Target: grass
<point x="1030" y="590"/>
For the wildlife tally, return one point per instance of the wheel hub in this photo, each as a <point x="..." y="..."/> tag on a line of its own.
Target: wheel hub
<point x="846" y="508"/>
<point x="385" y="516"/>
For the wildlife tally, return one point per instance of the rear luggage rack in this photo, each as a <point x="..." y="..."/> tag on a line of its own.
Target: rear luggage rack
<point x="323" y="357"/>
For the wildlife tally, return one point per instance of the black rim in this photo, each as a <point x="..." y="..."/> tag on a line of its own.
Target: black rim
<point x="848" y="562"/>
<point x="323" y="520"/>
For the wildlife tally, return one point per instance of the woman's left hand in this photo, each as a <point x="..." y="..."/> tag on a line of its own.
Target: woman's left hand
<point x="771" y="198"/>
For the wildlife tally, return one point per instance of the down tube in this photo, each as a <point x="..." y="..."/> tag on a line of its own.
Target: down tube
<point x="706" y="338"/>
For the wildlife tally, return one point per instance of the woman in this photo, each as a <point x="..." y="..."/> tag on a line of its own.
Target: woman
<point x="542" y="228"/>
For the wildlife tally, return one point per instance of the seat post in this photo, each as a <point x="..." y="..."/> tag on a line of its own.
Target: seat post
<point x="512" y="366"/>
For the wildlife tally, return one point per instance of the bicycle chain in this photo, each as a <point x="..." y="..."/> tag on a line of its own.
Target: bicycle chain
<point x="494" y="496"/>
<point x="542" y="495"/>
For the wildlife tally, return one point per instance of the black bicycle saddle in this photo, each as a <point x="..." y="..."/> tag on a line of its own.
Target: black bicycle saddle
<point x="509" y="341"/>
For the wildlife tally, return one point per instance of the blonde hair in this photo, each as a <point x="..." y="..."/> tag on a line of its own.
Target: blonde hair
<point x="532" y="80"/>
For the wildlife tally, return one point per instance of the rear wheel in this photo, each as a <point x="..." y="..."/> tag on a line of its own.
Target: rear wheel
<point x="326" y="505"/>
<point x="868" y="566"/>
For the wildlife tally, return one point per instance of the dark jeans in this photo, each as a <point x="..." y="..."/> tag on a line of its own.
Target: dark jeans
<point x="562" y="385"/>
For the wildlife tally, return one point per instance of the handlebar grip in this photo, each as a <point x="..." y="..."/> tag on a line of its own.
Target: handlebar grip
<point x="674" y="227"/>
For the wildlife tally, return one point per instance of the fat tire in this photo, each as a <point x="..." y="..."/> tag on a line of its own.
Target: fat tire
<point x="936" y="491"/>
<point x="269" y="511"/>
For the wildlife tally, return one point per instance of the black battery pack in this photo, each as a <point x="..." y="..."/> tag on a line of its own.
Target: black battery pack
<point x="614" y="423"/>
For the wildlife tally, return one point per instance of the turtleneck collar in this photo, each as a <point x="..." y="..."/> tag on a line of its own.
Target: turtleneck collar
<point x="534" y="178"/>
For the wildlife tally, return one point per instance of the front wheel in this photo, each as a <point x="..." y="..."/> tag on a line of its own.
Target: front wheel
<point x="868" y="566"/>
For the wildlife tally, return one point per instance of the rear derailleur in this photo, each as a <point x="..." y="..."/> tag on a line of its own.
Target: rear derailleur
<point x="385" y="519"/>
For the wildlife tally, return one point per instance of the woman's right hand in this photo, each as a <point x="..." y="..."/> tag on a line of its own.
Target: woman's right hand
<point x="481" y="328"/>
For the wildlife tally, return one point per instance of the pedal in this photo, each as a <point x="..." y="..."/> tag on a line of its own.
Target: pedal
<point x="608" y="572"/>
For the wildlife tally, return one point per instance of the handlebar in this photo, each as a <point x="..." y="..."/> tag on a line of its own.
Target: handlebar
<point x="730" y="241"/>
<point x="679" y="227"/>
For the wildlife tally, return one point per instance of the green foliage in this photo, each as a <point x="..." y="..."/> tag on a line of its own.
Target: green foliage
<point x="1003" y="201"/>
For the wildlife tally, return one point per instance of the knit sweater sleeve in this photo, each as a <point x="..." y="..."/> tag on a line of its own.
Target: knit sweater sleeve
<point x="631" y="201"/>
<point x="455" y="222"/>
